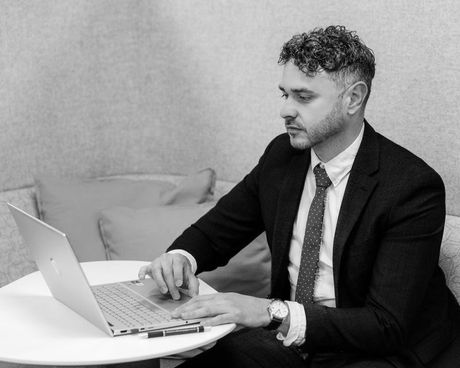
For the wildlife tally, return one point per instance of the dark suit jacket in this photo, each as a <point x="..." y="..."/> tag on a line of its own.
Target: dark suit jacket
<point x="391" y="295"/>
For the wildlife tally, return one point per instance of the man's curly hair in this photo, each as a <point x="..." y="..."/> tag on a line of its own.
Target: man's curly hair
<point x="335" y="50"/>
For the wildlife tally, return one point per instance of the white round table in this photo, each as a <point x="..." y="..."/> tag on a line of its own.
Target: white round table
<point x="38" y="329"/>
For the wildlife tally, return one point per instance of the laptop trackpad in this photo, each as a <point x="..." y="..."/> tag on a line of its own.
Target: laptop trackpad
<point x="149" y="290"/>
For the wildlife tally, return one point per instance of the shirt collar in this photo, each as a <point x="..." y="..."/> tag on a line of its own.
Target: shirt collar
<point x="338" y="167"/>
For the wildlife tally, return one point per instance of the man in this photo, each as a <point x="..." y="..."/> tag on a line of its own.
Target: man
<point x="354" y="223"/>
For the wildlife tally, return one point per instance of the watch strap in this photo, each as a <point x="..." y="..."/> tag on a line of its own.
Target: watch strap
<point x="274" y="324"/>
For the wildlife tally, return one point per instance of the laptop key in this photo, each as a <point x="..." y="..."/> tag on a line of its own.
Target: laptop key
<point x="128" y="308"/>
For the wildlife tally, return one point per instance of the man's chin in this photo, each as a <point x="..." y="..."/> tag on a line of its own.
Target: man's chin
<point x="299" y="143"/>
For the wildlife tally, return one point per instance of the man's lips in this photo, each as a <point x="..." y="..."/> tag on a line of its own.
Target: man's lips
<point x="292" y="128"/>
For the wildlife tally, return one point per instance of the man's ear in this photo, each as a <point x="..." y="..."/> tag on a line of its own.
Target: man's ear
<point x="356" y="97"/>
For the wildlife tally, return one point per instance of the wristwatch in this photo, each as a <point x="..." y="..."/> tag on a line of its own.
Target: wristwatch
<point x="278" y="311"/>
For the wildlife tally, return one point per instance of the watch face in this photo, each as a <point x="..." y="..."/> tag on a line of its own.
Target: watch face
<point x="279" y="309"/>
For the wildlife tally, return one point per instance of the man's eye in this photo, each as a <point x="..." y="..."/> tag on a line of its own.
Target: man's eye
<point x="304" y="98"/>
<point x="284" y="95"/>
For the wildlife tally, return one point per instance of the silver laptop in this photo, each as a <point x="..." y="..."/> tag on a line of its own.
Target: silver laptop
<point x="118" y="309"/>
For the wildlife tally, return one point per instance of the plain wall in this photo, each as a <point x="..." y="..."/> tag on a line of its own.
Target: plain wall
<point x="101" y="87"/>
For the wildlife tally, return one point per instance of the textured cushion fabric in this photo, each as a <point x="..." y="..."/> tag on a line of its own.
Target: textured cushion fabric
<point x="196" y="188"/>
<point x="449" y="258"/>
<point x="144" y="234"/>
<point x="72" y="205"/>
<point x="248" y="272"/>
<point x="15" y="259"/>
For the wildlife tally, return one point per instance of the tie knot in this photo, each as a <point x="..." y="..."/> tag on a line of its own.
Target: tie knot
<point x="322" y="180"/>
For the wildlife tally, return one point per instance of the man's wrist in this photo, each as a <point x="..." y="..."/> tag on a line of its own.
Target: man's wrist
<point x="294" y="330"/>
<point x="265" y="317"/>
<point x="277" y="311"/>
<point x="284" y="327"/>
<point x="187" y="255"/>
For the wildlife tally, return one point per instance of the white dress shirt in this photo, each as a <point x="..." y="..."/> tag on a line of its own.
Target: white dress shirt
<point x="338" y="170"/>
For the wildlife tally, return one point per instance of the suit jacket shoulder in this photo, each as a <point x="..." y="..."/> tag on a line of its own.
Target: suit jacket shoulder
<point x="397" y="159"/>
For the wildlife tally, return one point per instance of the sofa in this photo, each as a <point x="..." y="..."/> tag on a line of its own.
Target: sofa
<point x="153" y="206"/>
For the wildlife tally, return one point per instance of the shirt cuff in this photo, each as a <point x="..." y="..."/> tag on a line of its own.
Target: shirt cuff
<point x="297" y="325"/>
<point x="190" y="258"/>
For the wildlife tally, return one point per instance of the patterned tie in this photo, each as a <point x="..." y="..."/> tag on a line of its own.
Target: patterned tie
<point x="312" y="241"/>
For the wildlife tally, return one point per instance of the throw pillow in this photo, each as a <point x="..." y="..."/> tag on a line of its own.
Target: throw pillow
<point x="72" y="205"/>
<point x="144" y="234"/>
<point x="196" y="188"/>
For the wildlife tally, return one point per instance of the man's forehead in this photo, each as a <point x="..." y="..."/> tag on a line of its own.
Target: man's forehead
<point x="293" y="78"/>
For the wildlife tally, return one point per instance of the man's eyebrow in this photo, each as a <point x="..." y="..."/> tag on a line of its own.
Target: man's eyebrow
<point x="299" y="90"/>
<point x="303" y="90"/>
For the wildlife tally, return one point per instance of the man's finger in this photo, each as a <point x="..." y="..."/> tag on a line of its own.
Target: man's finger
<point x="217" y="320"/>
<point x="144" y="270"/>
<point x="178" y="270"/>
<point x="193" y="285"/>
<point x="141" y="273"/>
<point x="166" y="267"/>
<point x="200" y="312"/>
<point x="205" y="307"/>
<point x="157" y="275"/>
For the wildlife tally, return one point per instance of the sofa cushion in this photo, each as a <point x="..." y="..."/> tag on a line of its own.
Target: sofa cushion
<point x="15" y="259"/>
<point x="449" y="258"/>
<point x="144" y="234"/>
<point x="72" y="205"/>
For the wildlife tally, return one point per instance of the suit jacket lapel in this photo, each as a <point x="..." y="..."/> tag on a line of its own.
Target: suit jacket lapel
<point x="288" y="204"/>
<point x="359" y="187"/>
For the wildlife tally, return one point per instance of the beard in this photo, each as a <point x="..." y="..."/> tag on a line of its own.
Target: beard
<point x="318" y="133"/>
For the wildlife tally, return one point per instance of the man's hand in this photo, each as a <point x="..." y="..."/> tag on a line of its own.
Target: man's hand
<point x="220" y="308"/>
<point x="171" y="271"/>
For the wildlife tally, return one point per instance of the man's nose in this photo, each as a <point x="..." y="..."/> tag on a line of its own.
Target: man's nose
<point x="287" y="110"/>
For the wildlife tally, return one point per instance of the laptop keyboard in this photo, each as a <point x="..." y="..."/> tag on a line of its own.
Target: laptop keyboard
<point x="120" y="303"/>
